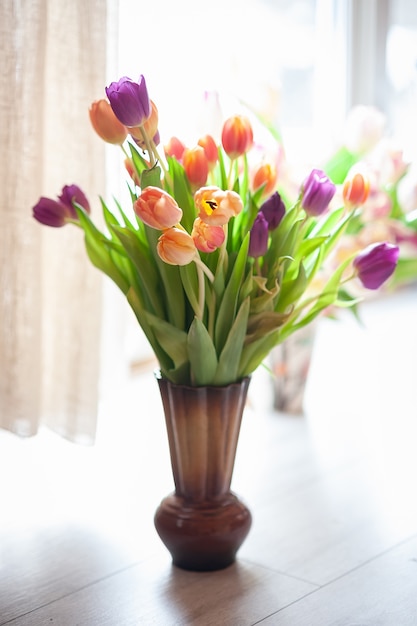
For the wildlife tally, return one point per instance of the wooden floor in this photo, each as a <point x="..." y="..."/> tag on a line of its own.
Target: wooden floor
<point x="333" y="496"/>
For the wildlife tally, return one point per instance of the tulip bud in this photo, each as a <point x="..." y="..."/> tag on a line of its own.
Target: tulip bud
<point x="71" y="194"/>
<point x="129" y="101"/>
<point x="106" y="124"/>
<point x="376" y="263"/>
<point x="51" y="213"/>
<point x="273" y="210"/>
<point x="174" y="148"/>
<point x="267" y="175"/>
<point x="210" y="149"/>
<point x="196" y="166"/>
<point x="237" y="136"/>
<point x="258" y="241"/>
<point x="157" y="208"/>
<point x="317" y="192"/>
<point x="57" y="213"/>
<point x="355" y="188"/>
<point x="176" y="247"/>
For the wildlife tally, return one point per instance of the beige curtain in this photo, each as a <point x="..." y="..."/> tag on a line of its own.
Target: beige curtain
<point x="53" y="65"/>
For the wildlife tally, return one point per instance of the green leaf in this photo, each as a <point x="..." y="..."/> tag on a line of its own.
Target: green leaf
<point x="227" y="309"/>
<point x="171" y="339"/>
<point x="144" y="265"/>
<point x="170" y="284"/>
<point x="228" y="366"/>
<point x="139" y="163"/>
<point x="189" y="279"/>
<point x="202" y="354"/>
<point x="292" y="290"/>
<point x="255" y="352"/>
<point x="136" y="303"/>
<point x="98" y="252"/>
<point x="151" y="177"/>
<point x="182" y="193"/>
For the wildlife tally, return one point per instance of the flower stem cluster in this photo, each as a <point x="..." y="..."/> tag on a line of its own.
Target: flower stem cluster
<point x="217" y="267"/>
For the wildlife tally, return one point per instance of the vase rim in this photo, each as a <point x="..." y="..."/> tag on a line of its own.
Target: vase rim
<point x="160" y="377"/>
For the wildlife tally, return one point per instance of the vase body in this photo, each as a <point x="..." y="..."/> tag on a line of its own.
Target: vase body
<point x="203" y="523"/>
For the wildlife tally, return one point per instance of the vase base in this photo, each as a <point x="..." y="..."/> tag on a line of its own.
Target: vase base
<point x="203" y="536"/>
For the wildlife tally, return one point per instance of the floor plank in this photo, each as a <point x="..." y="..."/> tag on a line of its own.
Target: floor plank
<point x="383" y="592"/>
<point x="157" y="593"/>
<point x="332" y="494"/>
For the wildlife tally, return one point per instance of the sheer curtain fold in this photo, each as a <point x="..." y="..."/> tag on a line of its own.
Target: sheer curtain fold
<point x="54" y="65"/>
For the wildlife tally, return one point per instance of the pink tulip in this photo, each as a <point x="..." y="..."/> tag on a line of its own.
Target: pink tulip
<point x="157" y="208"/>
<point x="207" y="238"/>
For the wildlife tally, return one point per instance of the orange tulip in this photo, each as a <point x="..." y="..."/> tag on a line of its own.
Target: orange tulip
<point x="210" y="149"/>
<point x="216" y="206"/>
<point x="106" y="124"/>
<point x="207" y="238"/>
<point x="267" y="175"/>
<point x="356" y="188"/>
<point x="196" y="166"/>
<point x="237" y="136"/>
<point x="157" y="208"/>
<point x="176" y="247"/>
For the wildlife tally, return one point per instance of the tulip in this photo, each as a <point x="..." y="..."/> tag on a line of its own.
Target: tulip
<point x="129" y="101"/>
<point x="196" y="166"/>
<point x="210" y="149"/>
<point x="273" y="210"/>
<point x="356" y="188"/>
<point x="267" y="175"/>
<point x="258" y="241"/>
<point x="150" y="127"/>
<point x="71" y="194"/>
<point x="317" y="192"/>
<point x="237" y="136"/>
<point x="51" y="213"/>
<point x="216" y="206"/>
<point x="375" y="264"/>
<point x="174" y="148"/>
<point x="157" y="208"/>
<point x="176" y="247"/>
<point x="207" y="238"/>
<point x="106" y="124"/>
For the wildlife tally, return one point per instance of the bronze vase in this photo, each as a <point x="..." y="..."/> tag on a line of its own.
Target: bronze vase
<point x="203" y="523"/>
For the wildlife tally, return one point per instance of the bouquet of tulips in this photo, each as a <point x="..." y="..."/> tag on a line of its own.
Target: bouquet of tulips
<point x="217" y="269"/>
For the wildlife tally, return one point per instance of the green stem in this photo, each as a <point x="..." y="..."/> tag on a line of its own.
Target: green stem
<point x="229" y="176"/>
<point x="148" y="145"/>
<point x="162" y="164"/>
<point x="204" y="268"/>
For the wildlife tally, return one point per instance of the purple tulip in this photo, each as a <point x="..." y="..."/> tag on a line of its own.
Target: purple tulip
<point x="317" y="192"/>
<point x="273" y="210"/>
<point x="375" y="264"/>
<point x="258" y="241"/>
<point x="57" y="213"/>
<point x="130" y="101"/>
<point x="70" y="194"/>
<point x="51" y="213"/>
